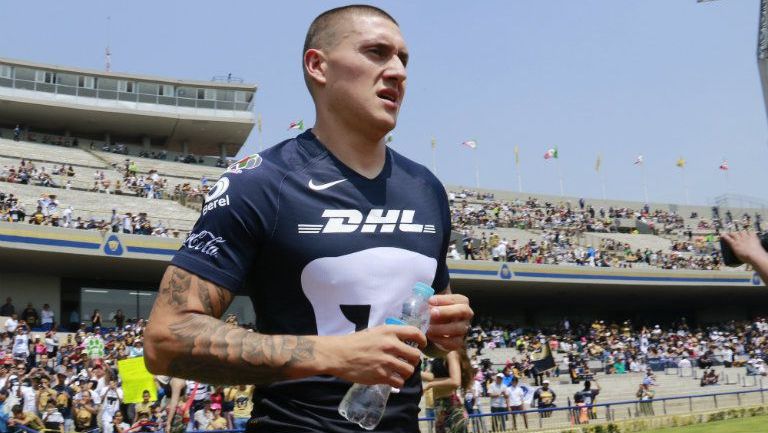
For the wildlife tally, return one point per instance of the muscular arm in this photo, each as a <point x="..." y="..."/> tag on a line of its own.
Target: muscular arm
<point x="185" y="338"/>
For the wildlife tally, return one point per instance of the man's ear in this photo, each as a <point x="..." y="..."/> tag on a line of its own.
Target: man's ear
<point x="315" y="65"/>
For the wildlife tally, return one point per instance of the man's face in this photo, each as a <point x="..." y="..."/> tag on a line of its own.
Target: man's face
<point x="365" y="72"/>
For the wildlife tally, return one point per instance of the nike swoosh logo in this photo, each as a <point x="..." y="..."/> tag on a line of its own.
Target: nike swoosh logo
<point x="323" y="186"/>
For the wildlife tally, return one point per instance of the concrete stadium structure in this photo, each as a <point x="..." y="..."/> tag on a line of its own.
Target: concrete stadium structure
<point x="200" y="117"/>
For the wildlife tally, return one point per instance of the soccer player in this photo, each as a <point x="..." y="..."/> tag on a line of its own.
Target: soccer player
<point x="327" y="233"/>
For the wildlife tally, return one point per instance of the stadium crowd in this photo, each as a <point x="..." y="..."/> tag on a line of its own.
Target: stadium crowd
<point x="622" y="347"/>
<point x="560" y="227"/>
<point x="49" y="212"/>
<point x="74" y="383"/>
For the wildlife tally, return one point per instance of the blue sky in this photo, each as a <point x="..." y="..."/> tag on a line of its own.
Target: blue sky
<point x="661" y="78"/>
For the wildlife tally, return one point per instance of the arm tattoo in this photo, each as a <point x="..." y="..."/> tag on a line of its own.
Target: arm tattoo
<point x="211" y="351"/>
<point x="177" y="289"/>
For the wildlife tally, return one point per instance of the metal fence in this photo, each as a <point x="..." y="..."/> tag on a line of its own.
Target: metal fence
<point x="579" y="415"/>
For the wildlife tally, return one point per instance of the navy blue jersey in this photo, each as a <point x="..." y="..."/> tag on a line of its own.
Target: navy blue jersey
<point x="321" y="250"/>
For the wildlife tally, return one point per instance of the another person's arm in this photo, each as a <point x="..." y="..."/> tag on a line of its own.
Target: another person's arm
<point x="746" y="246"/>
<point x="185" y="338"/>
<point x="453" y="381"/>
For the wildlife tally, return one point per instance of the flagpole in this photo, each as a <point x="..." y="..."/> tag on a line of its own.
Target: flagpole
<point x="477" y="168"/>
<point x="602" y="183"/>
<point x="519" y="181"/>
<point x="645" y="183"/>
<point x="560" y="175"/>
<point x="685" y="188"/>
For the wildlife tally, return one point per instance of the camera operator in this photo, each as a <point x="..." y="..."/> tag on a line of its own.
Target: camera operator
<point x="747" y="247"/>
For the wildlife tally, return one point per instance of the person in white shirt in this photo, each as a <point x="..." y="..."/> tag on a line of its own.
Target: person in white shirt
<point x="517" y="402"/>
<point x="11" y="324"/>
<point x="684" y="363"/>
<point x="46" y="317"/>
<point x="499" y="394"/>
<point x="112" y="396"/>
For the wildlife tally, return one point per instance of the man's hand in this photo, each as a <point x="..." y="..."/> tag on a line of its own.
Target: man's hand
<point x="450" y="318"/>
<point x="746" y="246"/>
<point x="375" y="356"/>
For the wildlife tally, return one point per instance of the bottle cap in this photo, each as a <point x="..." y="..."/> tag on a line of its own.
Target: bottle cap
<point x="424" y="290"/>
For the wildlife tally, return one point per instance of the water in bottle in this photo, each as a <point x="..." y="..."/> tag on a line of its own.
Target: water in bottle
<point x="365" y="404"/>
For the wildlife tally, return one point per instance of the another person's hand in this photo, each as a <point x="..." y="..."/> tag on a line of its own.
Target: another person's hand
<point x="746" y="246"/>
<point x="450" y="319"/>
<point x="375" y="356"/>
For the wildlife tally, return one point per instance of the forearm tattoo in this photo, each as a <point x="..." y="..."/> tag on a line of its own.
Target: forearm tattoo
<point x="211" y="351"/>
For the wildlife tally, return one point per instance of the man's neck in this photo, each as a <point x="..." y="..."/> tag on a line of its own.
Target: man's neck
<point x="363" y="153"/>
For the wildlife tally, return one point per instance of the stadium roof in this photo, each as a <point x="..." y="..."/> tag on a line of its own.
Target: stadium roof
<point x="200" y="117"/>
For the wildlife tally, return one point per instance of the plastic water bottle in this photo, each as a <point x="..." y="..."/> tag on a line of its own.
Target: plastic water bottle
<point x="364" y="405"/>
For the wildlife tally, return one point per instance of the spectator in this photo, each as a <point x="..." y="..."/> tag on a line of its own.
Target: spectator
<point x="499" y="394"/>
<point x="587" y="397"/>
<point x="11" y="324"/>
<point x="709" y="377"/>
<point x="242" y="405"/>
<point x="544" y="398"/>
<point x="96" y="319"/>
<point x="646" y="394"/>
<point x="46" y="318"/>
<point x="17" y="133"/>
<point x="7" y="309"/>
<point x="517" y="402"/>
<point x="27" y="419"/>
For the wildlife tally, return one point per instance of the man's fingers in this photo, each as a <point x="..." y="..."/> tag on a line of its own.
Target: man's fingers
<point x="400" y="368"/>
<point x="410" y="334"/>
<point x="449" y="299"/>
<point x="451" y="313"/>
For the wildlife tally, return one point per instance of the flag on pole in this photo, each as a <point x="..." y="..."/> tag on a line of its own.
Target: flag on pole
<point x="258" y="122"/>
<point x="639" y="160"/>
<point x="299" y="124"/>
<point x="550" y="153"/>
<point x="472" y="144"/>
<point x="598" y="162"/>
<point x="542" y="358"/>
<point x="724" y="165"/>
<point x="517" y="156"/>
<point x="680" y="162"/>
<point x="389" y="138"/>
<point x="434" y="143"/>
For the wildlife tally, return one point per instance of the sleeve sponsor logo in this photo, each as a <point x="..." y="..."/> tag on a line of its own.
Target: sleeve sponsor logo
<point x="205" y="242"/>
<point x="247" y="163"/>
<point x="214" y="199"/>
<point x="377" y="221"/>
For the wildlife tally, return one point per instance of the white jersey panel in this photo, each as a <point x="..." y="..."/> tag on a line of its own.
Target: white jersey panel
<point x="381" y="278"/>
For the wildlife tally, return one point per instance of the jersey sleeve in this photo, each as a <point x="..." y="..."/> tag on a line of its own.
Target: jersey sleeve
<point x="442" y="278"/>
<point x="230" y="231"/>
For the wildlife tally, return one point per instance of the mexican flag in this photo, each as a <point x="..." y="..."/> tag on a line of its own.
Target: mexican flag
<point x="299" y="124"/>
<point x="472" y="144"/>
<point x="551" y="153"/>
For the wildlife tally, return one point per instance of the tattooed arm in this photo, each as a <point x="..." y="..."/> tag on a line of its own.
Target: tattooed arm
<point x="185" y="338"/>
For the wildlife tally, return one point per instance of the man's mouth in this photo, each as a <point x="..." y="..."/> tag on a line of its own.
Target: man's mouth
<point x="389" y="95"/>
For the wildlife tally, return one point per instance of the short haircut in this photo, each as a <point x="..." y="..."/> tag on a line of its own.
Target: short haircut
<point x="322" y="33"/>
